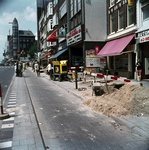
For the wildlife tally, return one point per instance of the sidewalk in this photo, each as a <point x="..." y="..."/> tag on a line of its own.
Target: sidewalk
<point x="139" y="125"/>
<point x="20" y="131"/>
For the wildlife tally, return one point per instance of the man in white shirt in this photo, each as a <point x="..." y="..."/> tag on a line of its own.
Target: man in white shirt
<point x="49" y="67"/>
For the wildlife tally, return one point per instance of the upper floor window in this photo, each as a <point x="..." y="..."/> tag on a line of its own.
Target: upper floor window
<point x="145" y="11"/>
<point x="79" y="5"/>
<point x="112" y="22"/>
<point x="49" y="9"/>
<point x="75" y="6"/>
<point x="55" y="3"/>
<point x="112" y="2"/>
<point x="63" y="10"/>
<point x="121" y="18"/>
<point x="55" y="19"/>
<point x="71" y="8"/>
<point x="131" y="15"/>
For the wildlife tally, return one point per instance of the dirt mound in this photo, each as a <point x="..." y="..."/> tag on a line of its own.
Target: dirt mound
<point x="130" y="99"/>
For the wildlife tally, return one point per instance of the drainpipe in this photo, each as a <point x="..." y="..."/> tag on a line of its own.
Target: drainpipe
<point x="83" y="33"/>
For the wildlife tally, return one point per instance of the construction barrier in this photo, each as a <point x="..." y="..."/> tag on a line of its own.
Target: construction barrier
<point x="107" y="77"/>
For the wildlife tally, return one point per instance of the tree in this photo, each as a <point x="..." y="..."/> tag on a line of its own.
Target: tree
<point x="32" y="50"/>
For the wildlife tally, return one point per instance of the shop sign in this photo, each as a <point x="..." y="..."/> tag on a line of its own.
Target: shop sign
<point x="144" y="39"/>
<point x="131" y="2"/>
<point x="90" y="53"/>
<point x="74" y="36"/>
<point x="143" y="33"/>
<point x="96" y="49"/>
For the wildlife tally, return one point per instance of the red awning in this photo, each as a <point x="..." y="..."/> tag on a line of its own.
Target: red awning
<point x="45" y="55"/>
<point x="52" y="37"/>
<point x="115" y="47"/>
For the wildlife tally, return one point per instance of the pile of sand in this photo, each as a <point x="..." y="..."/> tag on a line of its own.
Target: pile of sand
<point x="130" y="99"/>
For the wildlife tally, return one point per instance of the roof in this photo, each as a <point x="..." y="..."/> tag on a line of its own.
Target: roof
<point x="25" y="33"/>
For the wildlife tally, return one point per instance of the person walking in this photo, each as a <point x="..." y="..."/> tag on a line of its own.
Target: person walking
<point x="139" y="69"/>
<point x="49" y="67"/>
<point x="24" y="66"/>
<point x="37" y="68"/>
<point x="19" y="68"/>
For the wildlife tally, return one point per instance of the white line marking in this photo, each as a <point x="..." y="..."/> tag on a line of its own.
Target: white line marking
<point x="11" y="102"/>
<point x="7" y="126"/>
<point x="12" y="99"/>
<point x="11" y="106"/>
<point x="6" y="144"/>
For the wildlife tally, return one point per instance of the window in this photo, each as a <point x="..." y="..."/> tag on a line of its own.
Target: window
<point x="55" y="19"/>
<point x="112" y="22"/>
<point x="75" y="7"/>
<point x="145" y="10"/>
<point x="75" y="20"/>
<point x="49" y="44"/>
<point x="121" y="18"/>
<point x="79" y="18"/>
<point x="72" y="24"/>
<point x="71" y="8"/>
<point x="49" y="9"/>
<point x="79" y="5"/>
<point x="63" y="10"/>
<point x="131" y="15"/>
<point x="112" y="2"/>
<point x="55" y="3"/>
<point x="24" y="45"/>
<point x="49" y="25"/>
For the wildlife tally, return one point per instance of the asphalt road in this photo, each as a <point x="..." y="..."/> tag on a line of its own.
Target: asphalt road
<point x="6" y="74"/>
<point x="66" y="124"/>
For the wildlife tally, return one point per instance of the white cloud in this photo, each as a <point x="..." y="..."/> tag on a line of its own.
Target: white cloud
<point x="30" y="14"/>
<point x="8" y="17"/>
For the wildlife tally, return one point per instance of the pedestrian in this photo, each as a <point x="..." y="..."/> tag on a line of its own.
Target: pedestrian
<point x="19" y="68"/>
<point x="24" y="66"/>
<point x="49" y="67"/>
<point x="33" y="66"/>
<point x="37" y="68"/>
<point x="16" y="68"/>
<point x="139" y="69"/>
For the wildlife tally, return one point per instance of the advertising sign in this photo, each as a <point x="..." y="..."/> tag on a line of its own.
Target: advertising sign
<point x="74" y="36"/>
<point x="131" y="2"/>
<point x="93" y="62"/>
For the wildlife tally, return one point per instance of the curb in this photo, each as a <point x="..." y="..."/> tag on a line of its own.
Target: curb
<point x="131" y="126"/>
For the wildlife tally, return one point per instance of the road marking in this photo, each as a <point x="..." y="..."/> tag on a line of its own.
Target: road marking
<point x="6" y="144"/>
<point x="11" y="102"/>
<point x="12" y="113"/>
<point x="8" y="106"/>
<point x="4" y="126"/>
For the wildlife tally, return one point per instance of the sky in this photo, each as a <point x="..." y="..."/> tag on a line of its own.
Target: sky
<point x="24" y="11"/>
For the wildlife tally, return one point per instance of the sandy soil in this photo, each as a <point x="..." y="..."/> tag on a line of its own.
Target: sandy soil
<point x="132" y="99"/>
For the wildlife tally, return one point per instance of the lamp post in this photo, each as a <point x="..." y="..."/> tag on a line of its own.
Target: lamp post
<point x="23" y="53"/>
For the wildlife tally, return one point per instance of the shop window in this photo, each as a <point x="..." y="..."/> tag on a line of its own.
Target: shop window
<point x="121" y="62"/>
<point x="112" y="22"/>
<point x="131" y="15"/>
<point x="121" y="18"/>
<point x="145" y="11"/>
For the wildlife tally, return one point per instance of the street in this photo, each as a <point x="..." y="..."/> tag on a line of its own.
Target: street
<point x="6" y="74"/>
<point x="49" y="117"/>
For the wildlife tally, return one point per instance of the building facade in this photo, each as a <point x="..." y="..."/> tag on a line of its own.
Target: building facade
<point x="142" y="35"/>
<point x="120" y="48"/>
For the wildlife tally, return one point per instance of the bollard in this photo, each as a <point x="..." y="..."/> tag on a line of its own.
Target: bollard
<point x="2" y="115"/>
<point x="76" y="78"/>
<point x="84" y="77"/>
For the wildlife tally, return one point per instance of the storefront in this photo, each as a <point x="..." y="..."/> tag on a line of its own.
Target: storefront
<point x="143" y="51"/>
<point x="120" y="55"/>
